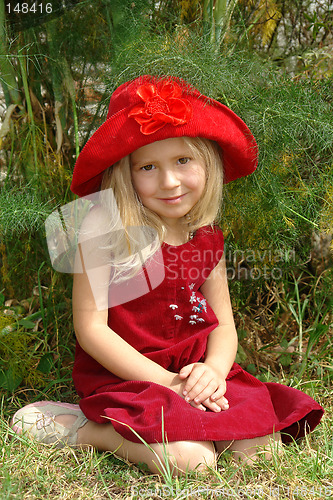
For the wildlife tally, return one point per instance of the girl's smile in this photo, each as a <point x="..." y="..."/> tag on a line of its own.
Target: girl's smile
<point x="167" y="178"/>
<point x="174" y="200"/>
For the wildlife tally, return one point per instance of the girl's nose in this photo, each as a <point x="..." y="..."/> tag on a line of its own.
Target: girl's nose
<point x="169" y="179"/>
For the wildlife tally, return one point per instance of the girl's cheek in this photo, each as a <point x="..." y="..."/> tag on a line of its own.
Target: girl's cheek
<point x="195" y="178"/>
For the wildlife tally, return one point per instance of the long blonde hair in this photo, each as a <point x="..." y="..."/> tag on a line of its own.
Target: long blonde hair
<point x="133" y="214"/>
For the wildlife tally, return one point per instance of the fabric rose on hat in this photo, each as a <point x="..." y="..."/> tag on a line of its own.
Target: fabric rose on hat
<point x="161" y="105"/>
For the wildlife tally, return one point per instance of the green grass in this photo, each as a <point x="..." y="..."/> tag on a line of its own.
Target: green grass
<point x="34" y="471"/>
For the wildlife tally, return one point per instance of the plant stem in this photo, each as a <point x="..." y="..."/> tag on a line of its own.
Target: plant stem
<point x="8" y="78"/>
<point x="42" y="310"/>
<point x="29" y="107"/>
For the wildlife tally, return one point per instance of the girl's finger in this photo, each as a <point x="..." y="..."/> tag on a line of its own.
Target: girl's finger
<point x="185" y="371"/>
<point x="212" y="406"/>
<point x="194" y="381"/>
<point x="206" y="392"/>
<point x="202" y="390"/>
<point x="223" y="403"/>
<point x="219" y="393"/>
<point x="199" y="407"/>
<point x="193" y="391"/>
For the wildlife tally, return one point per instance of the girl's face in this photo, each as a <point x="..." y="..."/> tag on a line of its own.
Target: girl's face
<point x="167" y="178"/>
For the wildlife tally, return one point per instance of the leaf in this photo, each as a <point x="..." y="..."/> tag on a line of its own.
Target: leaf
<point x="26" y="323"/>
<point x="9" y="380"/>
<point x="285" y="359"/>
<point x="241" y="355"/>
<point x="35" y="316"/>
<point x="251" y="368"/>
<point x="241" y="333"/>
<point x="291" y="307"/>
<point x="284" y="344"/>
<point x="45" y="364"/>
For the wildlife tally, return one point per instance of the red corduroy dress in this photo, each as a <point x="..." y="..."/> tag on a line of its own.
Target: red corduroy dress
<point x="170" y="325"/>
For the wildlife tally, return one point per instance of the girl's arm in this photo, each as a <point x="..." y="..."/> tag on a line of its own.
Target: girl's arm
<point x="206" y="381"/>
<point x="223" y="341"/>
<point x="98" y="340"/>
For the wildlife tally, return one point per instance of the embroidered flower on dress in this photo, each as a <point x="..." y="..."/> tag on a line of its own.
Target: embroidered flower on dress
<point x="204" y="302"/>
<point x="201" y="306"/>
<point x="161" y="105"/>
<point x="191" y="286"/>
<point x="173" y="306"/>
<point x="193" y="298"/>
<point x="177" y="317"/>
<point x="192" y="322"/>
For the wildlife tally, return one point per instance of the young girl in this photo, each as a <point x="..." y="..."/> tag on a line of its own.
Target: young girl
<point x="155" y="352"/>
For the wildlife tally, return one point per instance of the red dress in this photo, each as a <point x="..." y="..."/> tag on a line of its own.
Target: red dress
<point x="170" y="325"/>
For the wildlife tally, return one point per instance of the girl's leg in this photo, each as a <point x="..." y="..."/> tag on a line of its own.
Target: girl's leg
<point x="182" y="455"/>
<point x="248" y="450"/>
<point x="54" y="422"/>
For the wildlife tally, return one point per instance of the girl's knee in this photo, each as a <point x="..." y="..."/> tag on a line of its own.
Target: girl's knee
<point x="191" y="455"/>
<point x="249" y="450"/>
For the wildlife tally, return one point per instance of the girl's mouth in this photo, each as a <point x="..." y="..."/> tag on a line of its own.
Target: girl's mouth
<point x="172" y="200"/>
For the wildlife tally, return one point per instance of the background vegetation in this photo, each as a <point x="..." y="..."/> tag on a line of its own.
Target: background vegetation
<point x="271" y="62"/>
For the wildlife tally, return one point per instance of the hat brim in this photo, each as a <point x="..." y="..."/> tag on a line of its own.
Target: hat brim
<point x="119" y="136"/>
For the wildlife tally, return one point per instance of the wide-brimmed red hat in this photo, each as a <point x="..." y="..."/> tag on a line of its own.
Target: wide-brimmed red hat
<point x="150" y="109"/>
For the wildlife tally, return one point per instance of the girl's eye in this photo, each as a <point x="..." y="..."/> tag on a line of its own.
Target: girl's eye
<point x="147" y="168"/>
<point x="183" y="161"/>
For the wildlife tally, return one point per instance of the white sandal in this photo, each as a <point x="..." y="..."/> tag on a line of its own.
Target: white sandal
<point x="38" y="420"/>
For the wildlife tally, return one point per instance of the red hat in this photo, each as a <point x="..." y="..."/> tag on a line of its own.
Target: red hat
<point x="150" y="109"/>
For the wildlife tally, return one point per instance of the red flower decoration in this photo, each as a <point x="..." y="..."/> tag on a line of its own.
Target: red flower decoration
<point x="160" y="106"/>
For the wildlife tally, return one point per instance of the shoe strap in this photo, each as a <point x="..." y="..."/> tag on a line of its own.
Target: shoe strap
<point x="71" y="437"/>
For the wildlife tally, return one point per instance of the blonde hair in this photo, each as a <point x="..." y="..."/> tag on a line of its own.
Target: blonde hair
<point x="133" y="214"/>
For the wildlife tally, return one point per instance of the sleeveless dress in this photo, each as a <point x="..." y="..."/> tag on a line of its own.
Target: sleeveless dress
<point x="170" y="325"/>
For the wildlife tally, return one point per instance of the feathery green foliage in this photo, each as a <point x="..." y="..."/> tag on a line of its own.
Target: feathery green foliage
<point x="22" y="210"/>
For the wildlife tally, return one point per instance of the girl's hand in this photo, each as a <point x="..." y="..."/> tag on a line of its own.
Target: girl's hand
<point x="177" y="385"/>
<point x="204" y="385"/>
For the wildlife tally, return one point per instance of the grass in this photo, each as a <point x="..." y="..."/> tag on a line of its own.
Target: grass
<point x="30" y="470"/>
